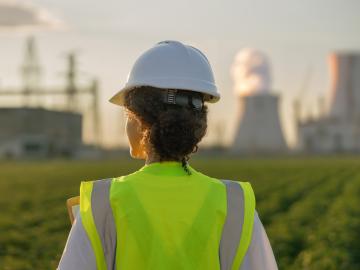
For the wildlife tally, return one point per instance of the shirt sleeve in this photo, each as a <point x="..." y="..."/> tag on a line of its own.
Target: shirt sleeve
<point x="78" y="253"/>
<point x="259" y="255"/>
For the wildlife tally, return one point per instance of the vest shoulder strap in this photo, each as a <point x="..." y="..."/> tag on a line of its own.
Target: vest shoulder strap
<point x="97" y="218"/>
<point x="237" y="230"/>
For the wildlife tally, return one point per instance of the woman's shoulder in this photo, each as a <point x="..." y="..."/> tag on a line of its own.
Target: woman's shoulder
<point x="96" y="181"/>
<point x="219" y="181"/>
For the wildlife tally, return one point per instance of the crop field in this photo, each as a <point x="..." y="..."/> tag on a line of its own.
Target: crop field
<point x="310" y="207"/>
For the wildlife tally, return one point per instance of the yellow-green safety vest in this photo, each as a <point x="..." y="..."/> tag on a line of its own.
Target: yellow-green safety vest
<point x="159" y="217"/>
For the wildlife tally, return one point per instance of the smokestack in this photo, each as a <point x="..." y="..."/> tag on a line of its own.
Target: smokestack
<point x="297" y="110"/>
<point x="321" y="107"/>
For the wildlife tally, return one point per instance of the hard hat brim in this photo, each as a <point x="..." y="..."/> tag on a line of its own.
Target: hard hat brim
<point x="119" y="97"/>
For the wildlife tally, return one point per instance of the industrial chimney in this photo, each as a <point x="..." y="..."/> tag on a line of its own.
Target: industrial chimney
<point x="258" y="123"/>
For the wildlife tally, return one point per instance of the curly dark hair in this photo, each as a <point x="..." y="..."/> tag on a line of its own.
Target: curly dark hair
<point x="172" y="131"/>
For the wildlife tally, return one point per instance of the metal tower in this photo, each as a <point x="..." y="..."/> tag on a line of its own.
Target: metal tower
<point x="30" y="71"/>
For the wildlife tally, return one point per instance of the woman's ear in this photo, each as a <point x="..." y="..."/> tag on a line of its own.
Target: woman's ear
<point x="144" y="145"/>
<point x="134" y="131"/>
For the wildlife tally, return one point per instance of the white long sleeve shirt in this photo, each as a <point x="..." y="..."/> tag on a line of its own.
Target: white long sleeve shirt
<point x="78" y="253"/>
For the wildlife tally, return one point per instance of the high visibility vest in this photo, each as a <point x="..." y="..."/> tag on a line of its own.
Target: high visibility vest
<point x="161" y="218"/>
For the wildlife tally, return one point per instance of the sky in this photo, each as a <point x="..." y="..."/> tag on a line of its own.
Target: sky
<point x="108" y="36"/>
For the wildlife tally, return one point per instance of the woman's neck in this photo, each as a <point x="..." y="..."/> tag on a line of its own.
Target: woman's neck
<point x="152" y="158"/>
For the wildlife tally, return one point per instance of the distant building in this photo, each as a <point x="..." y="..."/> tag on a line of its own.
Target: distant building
<point x="338" y="129"/>
<point x="38" y="132"/>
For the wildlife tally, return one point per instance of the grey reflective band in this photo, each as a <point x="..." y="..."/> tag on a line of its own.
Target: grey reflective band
<point x="104" y="220"/>
<point x="233" y="224"/>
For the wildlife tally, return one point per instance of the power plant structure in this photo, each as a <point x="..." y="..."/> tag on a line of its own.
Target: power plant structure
<point x="337" y="129"/>
<point x="35" y="131"/>
<point x="258" y="124"/>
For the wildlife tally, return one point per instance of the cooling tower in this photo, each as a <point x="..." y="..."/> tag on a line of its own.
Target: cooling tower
<point x="258" y="126"/>
<point x="344" y="97"/>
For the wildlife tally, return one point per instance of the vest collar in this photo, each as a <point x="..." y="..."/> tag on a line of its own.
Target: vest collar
<point x="173" y="168"/>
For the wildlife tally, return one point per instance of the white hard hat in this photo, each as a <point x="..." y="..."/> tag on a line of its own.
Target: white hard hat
<point x="171" y="65"/>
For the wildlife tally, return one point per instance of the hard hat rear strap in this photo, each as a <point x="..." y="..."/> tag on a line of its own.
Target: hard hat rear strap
<point x="193" y="100"/>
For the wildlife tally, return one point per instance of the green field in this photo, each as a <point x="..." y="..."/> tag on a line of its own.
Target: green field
<point x="310" y="207"/>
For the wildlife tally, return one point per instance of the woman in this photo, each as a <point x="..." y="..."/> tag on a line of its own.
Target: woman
<point x="167" y="215"/>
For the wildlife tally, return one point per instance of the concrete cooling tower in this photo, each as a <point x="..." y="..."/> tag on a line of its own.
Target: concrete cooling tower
<point x="258" y="126"/>
<point x="344" y="96"/>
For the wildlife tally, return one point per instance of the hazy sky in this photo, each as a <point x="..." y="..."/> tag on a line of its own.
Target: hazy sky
<point x="109" y="35"/>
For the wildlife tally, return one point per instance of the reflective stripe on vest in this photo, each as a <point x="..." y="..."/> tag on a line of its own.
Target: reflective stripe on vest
<point x="97" y="218"/>
<point x="98" y="221"/>
<point x="237" y="231"/>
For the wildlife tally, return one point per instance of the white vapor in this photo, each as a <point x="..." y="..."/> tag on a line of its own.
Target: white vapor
<point x="250" y="72"/>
